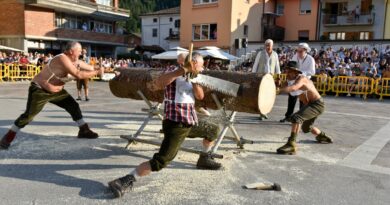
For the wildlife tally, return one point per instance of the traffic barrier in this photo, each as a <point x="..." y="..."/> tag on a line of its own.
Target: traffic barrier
<point x="383" y="88"/>
<point x="1" y="72"/>
<point x="323" y="84"/>
<point x="353" y="85"/>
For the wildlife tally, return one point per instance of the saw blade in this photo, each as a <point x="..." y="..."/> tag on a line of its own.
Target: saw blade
<point x="217" y="84"/>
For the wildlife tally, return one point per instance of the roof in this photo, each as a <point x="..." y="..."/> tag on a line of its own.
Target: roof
<point x="175" y="10"/>
<point x="153" y="49"/>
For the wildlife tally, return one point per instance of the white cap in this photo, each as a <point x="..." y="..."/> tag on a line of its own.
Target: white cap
<point x="305" y="46"/>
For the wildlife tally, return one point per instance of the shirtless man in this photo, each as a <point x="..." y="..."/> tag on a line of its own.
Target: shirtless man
<point x="313" y="106"/>
<point x="48" y="86"/>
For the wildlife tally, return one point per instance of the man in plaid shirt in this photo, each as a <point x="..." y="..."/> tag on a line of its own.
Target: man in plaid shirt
<point x="180" y="122"/>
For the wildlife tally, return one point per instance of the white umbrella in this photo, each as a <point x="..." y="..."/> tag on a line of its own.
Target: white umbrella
<point x="169" y="55"/>
<point x="178" y="49"/>
<point x="9" y="49"/>
<point x="216" y="52"/>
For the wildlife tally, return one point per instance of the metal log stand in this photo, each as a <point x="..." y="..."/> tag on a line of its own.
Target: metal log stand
<point x="156" y="111"/>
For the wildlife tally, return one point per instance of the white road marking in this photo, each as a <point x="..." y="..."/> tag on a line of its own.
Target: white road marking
<point x="365" y="154"/>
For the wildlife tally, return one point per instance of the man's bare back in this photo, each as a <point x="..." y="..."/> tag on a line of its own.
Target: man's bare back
<point x="302" y="83"/>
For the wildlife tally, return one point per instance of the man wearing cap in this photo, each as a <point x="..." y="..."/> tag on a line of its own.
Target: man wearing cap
<point x="267" y="62"/>
<point x="306" y="65"/>
<point x="313" y="106"/>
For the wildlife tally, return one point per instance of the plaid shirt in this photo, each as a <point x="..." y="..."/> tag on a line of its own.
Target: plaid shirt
<point x="178" y="112"/>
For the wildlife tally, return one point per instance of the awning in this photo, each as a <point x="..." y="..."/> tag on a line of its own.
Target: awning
<point x="5" y="48"/>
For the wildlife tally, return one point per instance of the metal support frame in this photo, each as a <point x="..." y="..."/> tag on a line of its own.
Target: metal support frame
<point x="155" y="110"/>
<point x="228" y="123"/>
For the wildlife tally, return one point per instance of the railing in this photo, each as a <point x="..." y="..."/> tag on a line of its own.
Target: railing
<point x="350" y="85"/>
<point x="383" y="88"/>
<point x="273" y="32"/>
<point x="348" y="19"/>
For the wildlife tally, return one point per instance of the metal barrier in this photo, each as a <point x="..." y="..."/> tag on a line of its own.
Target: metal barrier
<point x="1" y="72"/>
<point x="383" y="88"/>
<point x="353" y="85"/>
<point x="323" y="84"/>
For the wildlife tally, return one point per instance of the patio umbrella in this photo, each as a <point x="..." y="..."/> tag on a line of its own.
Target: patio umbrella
<point x="171" y="54"/>
<point x="216" y="52"/>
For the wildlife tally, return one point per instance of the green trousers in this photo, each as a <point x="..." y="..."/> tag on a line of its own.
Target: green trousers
<point x="174" y="135"/>
<point x="37" y="98"/>
<point x="308" y="114"/>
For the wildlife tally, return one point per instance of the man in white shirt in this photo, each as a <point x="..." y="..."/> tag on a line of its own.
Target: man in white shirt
<point x="267" y="62"/>
<point x="306" y="64"/>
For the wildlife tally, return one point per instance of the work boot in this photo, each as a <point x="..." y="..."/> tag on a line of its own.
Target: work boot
<point x="7" y="139"/>
<point x="86" y="99"/>
<point x="289" y="148"/>
<point x="78" y="98"/>
<point x="85" y="132"/>
<point x="121" y="185"/>
<point x="286" y="119"/>
<point x="206" y="161"/>
<point x="323" y="138"/>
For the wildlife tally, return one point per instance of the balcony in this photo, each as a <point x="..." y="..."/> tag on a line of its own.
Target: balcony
<point x="82" y="7"/>
<point x="88" y="36"/>
<point x="348" y="20"/>
<point x="273" y="32"/>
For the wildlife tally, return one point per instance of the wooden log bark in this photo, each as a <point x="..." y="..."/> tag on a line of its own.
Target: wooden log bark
<point x="257" y="92"/>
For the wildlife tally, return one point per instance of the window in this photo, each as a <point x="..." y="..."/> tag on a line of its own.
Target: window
<point x="245" y="30"/>
<point x="280" y="9"/>
<point x="303" y="35"/>
<point x="177" y="23"/>
<point x="104" y="2"/>
<point x="337" y="36"/>
<point x="170" y="19"/>
<point x="154" y="32"/>
<point x="364" y="35"/>
<point x="170" y="32"/>
<point x="305" y="7"/>
<point x="197" y="2"/>
<point x="58" y="20"/>
<point x="154" y="20"/>
<point x="204" y="32"/>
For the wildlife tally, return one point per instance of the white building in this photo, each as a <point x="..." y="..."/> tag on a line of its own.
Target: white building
<point x="161" y="28"/>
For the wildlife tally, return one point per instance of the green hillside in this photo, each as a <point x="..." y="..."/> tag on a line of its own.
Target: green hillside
<point x="138" y="7"/>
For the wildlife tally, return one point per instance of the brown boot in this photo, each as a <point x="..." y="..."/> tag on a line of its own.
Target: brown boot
<point x="289" y="148"/>
<point x="7" y="139"/>
<point x="323" y="138"/>
<point x="85" y="132"/>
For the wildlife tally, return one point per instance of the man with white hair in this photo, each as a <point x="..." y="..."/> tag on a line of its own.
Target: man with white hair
<point x="267" y="62"/>
<point x="306" y="65"/>
<point x="180" y="120"/>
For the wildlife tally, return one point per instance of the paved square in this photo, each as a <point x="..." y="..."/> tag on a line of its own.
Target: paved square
<point x="47" y="164"/>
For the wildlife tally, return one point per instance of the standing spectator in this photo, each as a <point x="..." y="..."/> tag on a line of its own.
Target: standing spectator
<point x="83" y="83"/>
<point x="267" y="62"/>
<point x="357" y="13"/>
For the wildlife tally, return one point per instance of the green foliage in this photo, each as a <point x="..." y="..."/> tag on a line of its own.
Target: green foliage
<point x="138" y="7"/>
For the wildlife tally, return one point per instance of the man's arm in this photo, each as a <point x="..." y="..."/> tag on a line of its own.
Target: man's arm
<point x="79" y="74"/>
<point x="297" y="85"/>
<point x="84" y="66"/>
<point x="165" y="79"/>
<point x="198" y="91"/>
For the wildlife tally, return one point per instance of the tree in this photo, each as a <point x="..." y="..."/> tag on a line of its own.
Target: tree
<point x="139" y="7"/>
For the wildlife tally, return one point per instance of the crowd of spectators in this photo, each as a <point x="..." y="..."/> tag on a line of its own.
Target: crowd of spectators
<point x="353" y="61"/>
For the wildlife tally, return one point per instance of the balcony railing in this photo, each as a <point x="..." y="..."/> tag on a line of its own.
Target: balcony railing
<point x="348" y="19"/>
<point x="82" y="3"/>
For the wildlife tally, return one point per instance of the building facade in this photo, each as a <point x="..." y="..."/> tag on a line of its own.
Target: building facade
<point x="352" y="19"/>
<point x="298" y="18"/>
<point x="161" y="28"/>
<point x="47" y="25"/>
<point x="219" y="23"/>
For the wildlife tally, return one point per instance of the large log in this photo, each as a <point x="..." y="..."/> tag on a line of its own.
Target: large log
<point x="257" y="92"/>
